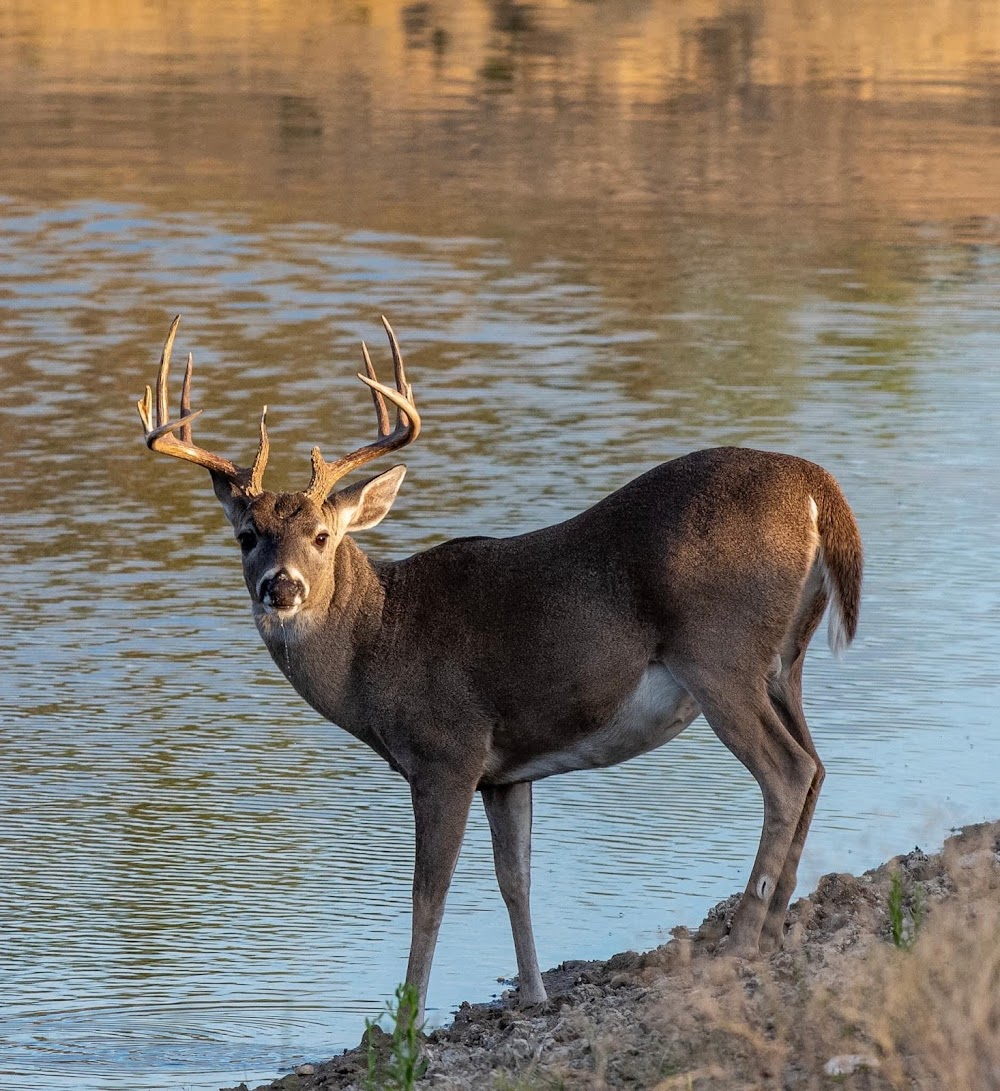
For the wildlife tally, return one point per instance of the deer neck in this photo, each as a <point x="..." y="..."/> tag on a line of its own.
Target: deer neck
<point x="323" y="651"/>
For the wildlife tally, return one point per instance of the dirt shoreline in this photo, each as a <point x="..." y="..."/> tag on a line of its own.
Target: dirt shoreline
<point x="843" y="1004"/>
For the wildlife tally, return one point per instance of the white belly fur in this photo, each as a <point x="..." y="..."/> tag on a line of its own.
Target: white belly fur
<point x="656" y="711"/>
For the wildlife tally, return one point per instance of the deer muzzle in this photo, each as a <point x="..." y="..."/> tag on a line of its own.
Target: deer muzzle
<point x="282" y="590"/>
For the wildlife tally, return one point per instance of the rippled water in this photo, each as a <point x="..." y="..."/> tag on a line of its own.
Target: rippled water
<point x="605" y="237"/>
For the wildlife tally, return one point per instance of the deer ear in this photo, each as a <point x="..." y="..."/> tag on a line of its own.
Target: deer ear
<point x="232" y="499"/>
<point x="366" y="504"/>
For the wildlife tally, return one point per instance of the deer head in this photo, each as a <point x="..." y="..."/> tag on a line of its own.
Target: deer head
<point x="289" y="541"/>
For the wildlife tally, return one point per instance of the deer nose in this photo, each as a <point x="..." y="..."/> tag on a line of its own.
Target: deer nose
<point x="282" y="589"/>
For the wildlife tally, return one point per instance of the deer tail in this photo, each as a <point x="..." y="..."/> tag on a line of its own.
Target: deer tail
<point x="842" y="559"/>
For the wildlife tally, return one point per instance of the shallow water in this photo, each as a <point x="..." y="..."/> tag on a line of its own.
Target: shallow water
<point x="605" y="235"/>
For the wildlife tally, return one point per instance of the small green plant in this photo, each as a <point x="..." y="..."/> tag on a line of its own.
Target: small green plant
<point x="903" y="937"/>
<point x="398" y="1064"/>
<point x="917" y="910"/>
<point x="894" y="906"/>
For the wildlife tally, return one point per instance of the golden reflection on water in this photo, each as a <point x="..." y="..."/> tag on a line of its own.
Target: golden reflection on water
<point x="605" y="233"/>
<point x="413" y="116"/>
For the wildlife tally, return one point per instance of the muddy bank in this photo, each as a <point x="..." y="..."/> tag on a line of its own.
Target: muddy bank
<point x="886" y="980"/>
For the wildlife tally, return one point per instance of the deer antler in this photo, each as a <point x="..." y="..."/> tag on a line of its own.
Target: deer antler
<point x="326" y="474"/>
<point x="160" y="436"/>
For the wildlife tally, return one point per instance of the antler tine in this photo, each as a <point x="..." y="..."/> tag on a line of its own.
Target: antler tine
<point x="397" y="362"/>
<point x="407" y="417"/>
<point x="163" y="375"/>
<point x="184" y="434"/>
<point x="256" y="484"/>
<point x="159" y="432"/>
<point x="326" y="474"/>
<point x="381" y="413"/>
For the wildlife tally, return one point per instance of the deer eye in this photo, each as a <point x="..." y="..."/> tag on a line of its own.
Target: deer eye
<point x="321" y="539"/>
<point x="247" y="540"/>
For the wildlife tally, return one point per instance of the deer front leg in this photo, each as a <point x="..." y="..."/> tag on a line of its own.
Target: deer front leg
<point x="440" y="811"/>
<point x="508" y="808"/>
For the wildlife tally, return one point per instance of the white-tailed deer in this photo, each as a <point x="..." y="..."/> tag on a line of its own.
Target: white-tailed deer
<point x="485" y="664"/>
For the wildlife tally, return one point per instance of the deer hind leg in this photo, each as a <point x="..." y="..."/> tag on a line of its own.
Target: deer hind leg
<point x="745" y="720"/>
<point x="786" y="698"/>
<point x="508" y="808"/>
<point x="785" y="691"/>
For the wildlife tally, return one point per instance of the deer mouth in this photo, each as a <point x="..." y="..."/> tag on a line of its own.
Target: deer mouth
<point x="282" y="613"/>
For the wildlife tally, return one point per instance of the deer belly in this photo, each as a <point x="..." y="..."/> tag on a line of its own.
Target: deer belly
<point x="656" y="711"/>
